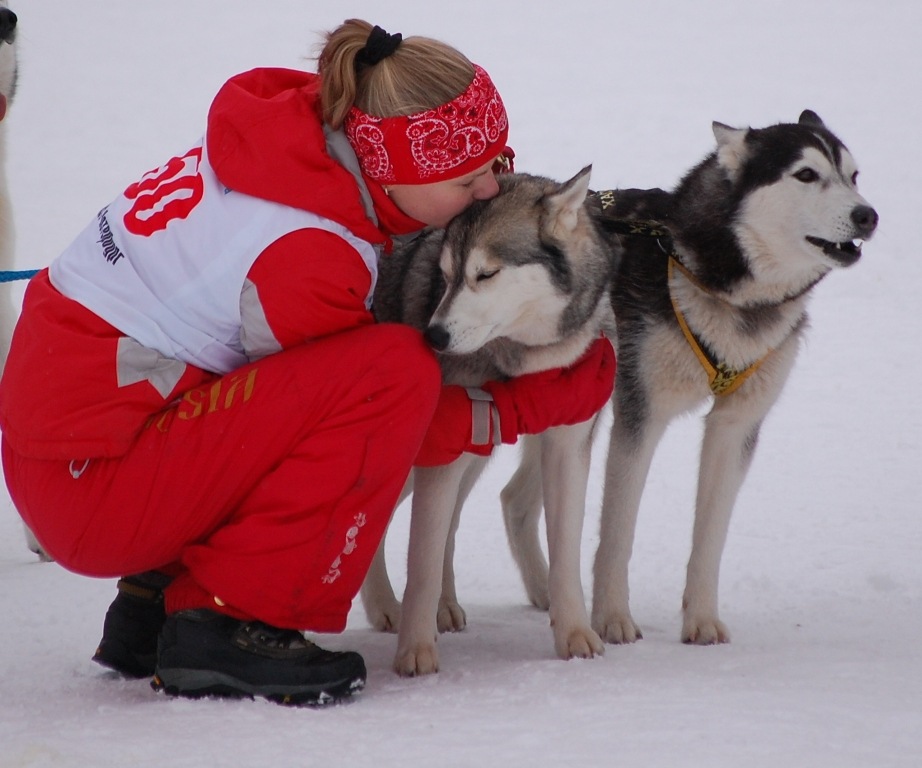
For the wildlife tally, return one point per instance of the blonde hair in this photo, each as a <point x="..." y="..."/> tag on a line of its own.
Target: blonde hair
<point x="421" y="74"/>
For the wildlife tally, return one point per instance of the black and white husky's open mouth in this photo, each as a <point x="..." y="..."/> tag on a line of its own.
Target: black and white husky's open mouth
<point x="845" y="253"/>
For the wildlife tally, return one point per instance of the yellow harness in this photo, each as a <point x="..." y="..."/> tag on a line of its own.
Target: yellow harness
<point x="722" y="379"/>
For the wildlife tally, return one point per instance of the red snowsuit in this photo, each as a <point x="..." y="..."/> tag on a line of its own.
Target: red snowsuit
<point x="265" y="488"/>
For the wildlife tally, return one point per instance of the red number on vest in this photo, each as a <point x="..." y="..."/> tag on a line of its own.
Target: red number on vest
<point x="165" y="193"/>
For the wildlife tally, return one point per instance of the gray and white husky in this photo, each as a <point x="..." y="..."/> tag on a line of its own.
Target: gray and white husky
<point x="715" y="307"/>
<point x="514" y="285"/>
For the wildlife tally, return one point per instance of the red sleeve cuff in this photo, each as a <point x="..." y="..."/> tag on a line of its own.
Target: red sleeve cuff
<point x="450" y="432"/>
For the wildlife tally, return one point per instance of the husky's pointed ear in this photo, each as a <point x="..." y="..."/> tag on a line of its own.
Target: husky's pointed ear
<point x="563" y="206"/>
<point x="731" y="146"/>
<point x="809" y="117"/>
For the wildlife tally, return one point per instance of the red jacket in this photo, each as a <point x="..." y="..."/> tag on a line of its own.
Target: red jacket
<point x="60" y="396"/>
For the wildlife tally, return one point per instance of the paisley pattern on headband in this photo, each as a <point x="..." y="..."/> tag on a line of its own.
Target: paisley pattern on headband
<point x="367" y="140"/>
<point x="443" y="142"/>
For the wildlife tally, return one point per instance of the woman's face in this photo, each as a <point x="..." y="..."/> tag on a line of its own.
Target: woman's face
<point x="438" y="203"/>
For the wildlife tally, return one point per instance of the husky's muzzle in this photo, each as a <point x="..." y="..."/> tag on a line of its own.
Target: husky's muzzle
<point x="8" y="21"/>
<point x="864" y="220"/>
<point x="437" y="337"/>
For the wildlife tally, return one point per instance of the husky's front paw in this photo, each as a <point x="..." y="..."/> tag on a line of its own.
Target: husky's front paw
<point x="616" y="628"/>
<point x="421" y="659"/>
<point x="578" y="643"/>
<point x="451" y="616"/>
<point x="704" y="630"/>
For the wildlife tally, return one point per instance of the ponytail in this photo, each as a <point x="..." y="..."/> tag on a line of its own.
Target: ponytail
<point x="414" y="74"/>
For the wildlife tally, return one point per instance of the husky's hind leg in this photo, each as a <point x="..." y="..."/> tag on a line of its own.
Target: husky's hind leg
<point x="522" y="502"/>
<point x="451" y="616"/>
<point x="382" y="609"/>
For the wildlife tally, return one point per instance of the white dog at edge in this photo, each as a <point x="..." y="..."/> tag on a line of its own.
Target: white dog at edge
<point x="8" y="71"/>
<point x="8" y="312"/>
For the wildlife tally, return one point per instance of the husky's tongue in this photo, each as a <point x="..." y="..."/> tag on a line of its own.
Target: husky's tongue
<point x="2" y="106"/>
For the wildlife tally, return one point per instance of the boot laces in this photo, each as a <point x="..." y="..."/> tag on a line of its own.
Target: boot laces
<point x="274" y="638"/>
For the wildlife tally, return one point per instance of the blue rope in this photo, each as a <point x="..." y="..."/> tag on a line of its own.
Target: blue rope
<point x="23" y="274"/>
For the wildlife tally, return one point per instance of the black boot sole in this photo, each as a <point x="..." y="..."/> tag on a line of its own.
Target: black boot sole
<point x="197" y="684"/>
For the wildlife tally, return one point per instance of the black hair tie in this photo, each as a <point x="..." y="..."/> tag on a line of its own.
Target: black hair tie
<point x="379" y="46"/>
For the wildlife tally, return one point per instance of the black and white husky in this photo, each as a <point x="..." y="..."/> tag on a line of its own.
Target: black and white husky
<point x="711" y="303"/>
<point x="514" y="285"/>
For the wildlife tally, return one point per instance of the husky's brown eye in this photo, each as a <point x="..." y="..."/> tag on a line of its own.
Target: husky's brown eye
<point x="855" y="178"/>
<point x="486" y="275"/>
<point x="806" y="175"/>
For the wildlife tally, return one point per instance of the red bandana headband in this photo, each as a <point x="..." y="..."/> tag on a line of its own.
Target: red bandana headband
<point x="441" y="143"/>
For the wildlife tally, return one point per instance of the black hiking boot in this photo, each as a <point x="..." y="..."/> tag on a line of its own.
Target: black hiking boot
<point x="132" y="625"/>
<point x="203" y="653"/>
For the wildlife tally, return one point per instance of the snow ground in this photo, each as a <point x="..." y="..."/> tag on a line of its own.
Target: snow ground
<point x="822" y="576"/>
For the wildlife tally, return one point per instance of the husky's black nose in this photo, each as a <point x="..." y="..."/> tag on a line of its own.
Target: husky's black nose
<point x="437" y="337"/>
<point x="7" y="25"/>
<point x="865" y="219"/>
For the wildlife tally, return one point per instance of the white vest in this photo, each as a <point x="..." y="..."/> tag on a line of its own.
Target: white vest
<point x="166" y="261"/>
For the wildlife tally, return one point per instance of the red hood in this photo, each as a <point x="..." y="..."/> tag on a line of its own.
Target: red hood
<point x="265" y="138"/>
